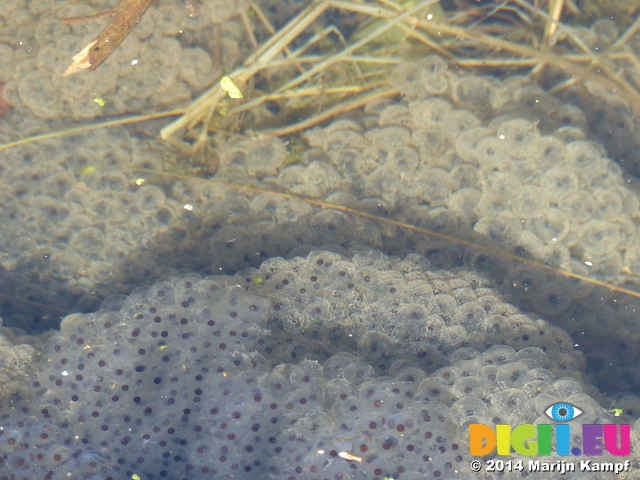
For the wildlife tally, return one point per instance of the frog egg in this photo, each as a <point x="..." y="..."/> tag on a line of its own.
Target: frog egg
<point x="335" y="365"/>
<point x="343" y="139"/>
<point x="512" y="375"/>
<point x="39" y="93"/>
<point x="606" y="267"/>
<point x="630" y="201"/>
<point x="491" y="203"/>
<point x="433" y="390"/>
<point x="433" y="184"/>
<point x="395" y="115"/>
<point x="457" y="121"/>
<point x="430" y="142"/>
<point x="606" y="174"/>
<point x="630" y="404"/>
<point x="553" y="254"/>
<point x="433" y="64"/>
<point x="467" y="407"/>
<point x="464" y="203"/>
<point x="520" y="138"/>
<point x="357" y="372"/>
<point x="469" y="386"/>
<point x="408" y="78"/>
<point x="406" y="375"/>
<point x="552" y="299"/>
<point x="553" y="227"/>
<point x="551" y="152"/>
<point x="600" y="236"/>
<point x="526" y="281"/>
<point x="530" y="202"/>
<point x="569" y="134"/>
<point x="607" y="29"/>
<point x="609" y="204"/>
<point x="502" y="184"/>
<point x="149" y="198"/>
<point x="474" y="92"/>
<point x="436" y="81"/>
<point x="464" y="176"/>
<point x="628" y="231"/>
<point x="467" y="143"/>
<point x="497" y="355"/>
<point x="195" y="65"/>
<point x="386" y="138"/>
<point x="429" y="112"/>
<point x="573" y="120"/>
<point x="511" y="400"/>
<point x="583" y="155"/>
<point x="578" y="205"/>
<point x="503" y="227"/>
<point x="559" y="182"/>
<point x="436" y="84"/>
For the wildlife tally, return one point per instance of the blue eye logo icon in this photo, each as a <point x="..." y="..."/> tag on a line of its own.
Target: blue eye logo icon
<point x="562" y="412"/>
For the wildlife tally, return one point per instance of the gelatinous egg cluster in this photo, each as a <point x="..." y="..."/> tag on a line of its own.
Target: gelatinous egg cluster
<point x="202" y="378"/>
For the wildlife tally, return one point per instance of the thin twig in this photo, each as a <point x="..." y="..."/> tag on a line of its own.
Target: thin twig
<point x="125" y="17"/>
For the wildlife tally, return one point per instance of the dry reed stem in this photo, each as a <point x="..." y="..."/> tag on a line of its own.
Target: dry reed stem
<point x="202" y="109"/>
<point x="429" y="32"/>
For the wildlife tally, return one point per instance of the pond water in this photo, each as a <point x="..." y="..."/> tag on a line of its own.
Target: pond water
<point x="390" y="232"/>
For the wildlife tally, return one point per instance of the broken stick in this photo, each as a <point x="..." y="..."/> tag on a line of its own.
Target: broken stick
<point x="125" y="17"/>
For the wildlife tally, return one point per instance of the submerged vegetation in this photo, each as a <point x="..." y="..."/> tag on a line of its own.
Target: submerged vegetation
<point x="334" y="56"/>
<point x="347" y="73"/>
<point x="309" y="65"/>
